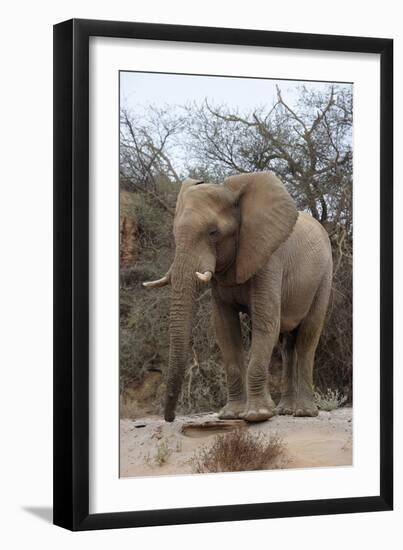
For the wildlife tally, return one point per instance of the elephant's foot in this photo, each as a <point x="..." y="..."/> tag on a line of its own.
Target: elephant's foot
<point x="285" y="408"/>
<point x="297" y="407"/>
<point x="232" y="410"/>
<point x="257" y="415"/>
<point x="258" y="411"/>
<point x="306" y="410"/>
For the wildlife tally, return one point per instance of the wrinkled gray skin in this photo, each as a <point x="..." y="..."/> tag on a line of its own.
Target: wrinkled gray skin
<point x="268" y="260"/>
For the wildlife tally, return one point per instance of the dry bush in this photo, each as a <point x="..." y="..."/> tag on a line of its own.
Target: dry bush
<point x="144" y="339"/>
<point x="334" y="355"/>
<point x="204" y="388"/>
<point x="239" y="451"/>
<point x="128" y="407"/>
<point x="137" y="398"/>
<point x="144" y="315"/>
<point x="329" y="400"/>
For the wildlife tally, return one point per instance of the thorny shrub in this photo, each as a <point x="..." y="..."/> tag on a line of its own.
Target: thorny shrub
<point x="240" y="451"/>
<point x="329" y="400"/>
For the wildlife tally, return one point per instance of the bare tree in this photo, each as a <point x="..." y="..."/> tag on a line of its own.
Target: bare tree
<point x="308" y="146"/>
<point x="145" y="156"/>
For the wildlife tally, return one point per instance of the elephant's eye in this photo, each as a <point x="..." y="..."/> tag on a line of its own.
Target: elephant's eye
<point x="213" y="232"/>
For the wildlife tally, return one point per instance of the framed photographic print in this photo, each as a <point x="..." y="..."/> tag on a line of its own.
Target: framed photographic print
<point x="223" y="318"/>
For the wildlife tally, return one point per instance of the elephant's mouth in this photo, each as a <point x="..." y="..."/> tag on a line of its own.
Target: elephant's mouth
<point x="221" y="269"/>
<point x="225" y="267"/>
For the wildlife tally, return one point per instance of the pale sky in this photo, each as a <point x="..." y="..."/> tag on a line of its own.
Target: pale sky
<point x="142" y="89"/>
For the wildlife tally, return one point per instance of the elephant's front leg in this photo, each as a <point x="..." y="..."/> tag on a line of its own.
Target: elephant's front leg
<point x="229" y="339"/>
<point x="265" y="332"/>
<point x="259" y="406"/>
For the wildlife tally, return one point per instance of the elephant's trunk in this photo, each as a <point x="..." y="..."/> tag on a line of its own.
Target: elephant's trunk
<point x="184" y="284"/>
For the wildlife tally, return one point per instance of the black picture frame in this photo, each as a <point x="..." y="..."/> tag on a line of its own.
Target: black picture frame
<point x="71" y="274"/>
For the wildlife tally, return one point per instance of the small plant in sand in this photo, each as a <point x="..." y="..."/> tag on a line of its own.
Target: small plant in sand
<point x="239" y="451"/>
<point x="330" y="400"/>
<point x="163" y="453"/>
<point x="147" y="458"/>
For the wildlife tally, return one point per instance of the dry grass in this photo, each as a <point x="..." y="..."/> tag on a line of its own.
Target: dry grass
<point x="239" y="451"/>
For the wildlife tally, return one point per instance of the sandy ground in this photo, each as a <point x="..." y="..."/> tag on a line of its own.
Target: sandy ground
<point x="149" y="446"/>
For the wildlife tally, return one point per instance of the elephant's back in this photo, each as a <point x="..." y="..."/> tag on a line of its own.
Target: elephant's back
<point x="308" y="241"/>
<point x="308" y="224"/>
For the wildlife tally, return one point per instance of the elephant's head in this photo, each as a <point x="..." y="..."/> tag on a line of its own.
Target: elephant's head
<point x="227" y="231"/>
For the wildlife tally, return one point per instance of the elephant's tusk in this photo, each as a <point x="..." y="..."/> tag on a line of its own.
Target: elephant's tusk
<point x="204" y="277"/>
<point x="158" y="283"/>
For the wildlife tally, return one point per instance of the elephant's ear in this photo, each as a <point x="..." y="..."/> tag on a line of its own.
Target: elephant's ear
<point x="267" y="217"/>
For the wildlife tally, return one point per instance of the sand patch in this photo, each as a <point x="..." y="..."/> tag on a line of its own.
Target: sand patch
<point x="150" y="446"/>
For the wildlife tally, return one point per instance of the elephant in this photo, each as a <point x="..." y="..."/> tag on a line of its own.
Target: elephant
<point x="265" y="258"/>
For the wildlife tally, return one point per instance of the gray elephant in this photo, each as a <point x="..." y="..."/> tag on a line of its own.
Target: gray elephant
<point x="265" y="258"/>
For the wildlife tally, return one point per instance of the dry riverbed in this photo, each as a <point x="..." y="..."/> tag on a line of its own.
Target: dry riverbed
<point x="150" y="446"/>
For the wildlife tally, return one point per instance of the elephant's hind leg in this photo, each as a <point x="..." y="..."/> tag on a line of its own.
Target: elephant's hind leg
<point x="288" y="380"/>
<point x="297" y="397"/>
<point x="229" y="338"/>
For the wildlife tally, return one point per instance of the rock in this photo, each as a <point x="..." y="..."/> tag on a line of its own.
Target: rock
<point x="211" y="427"/>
